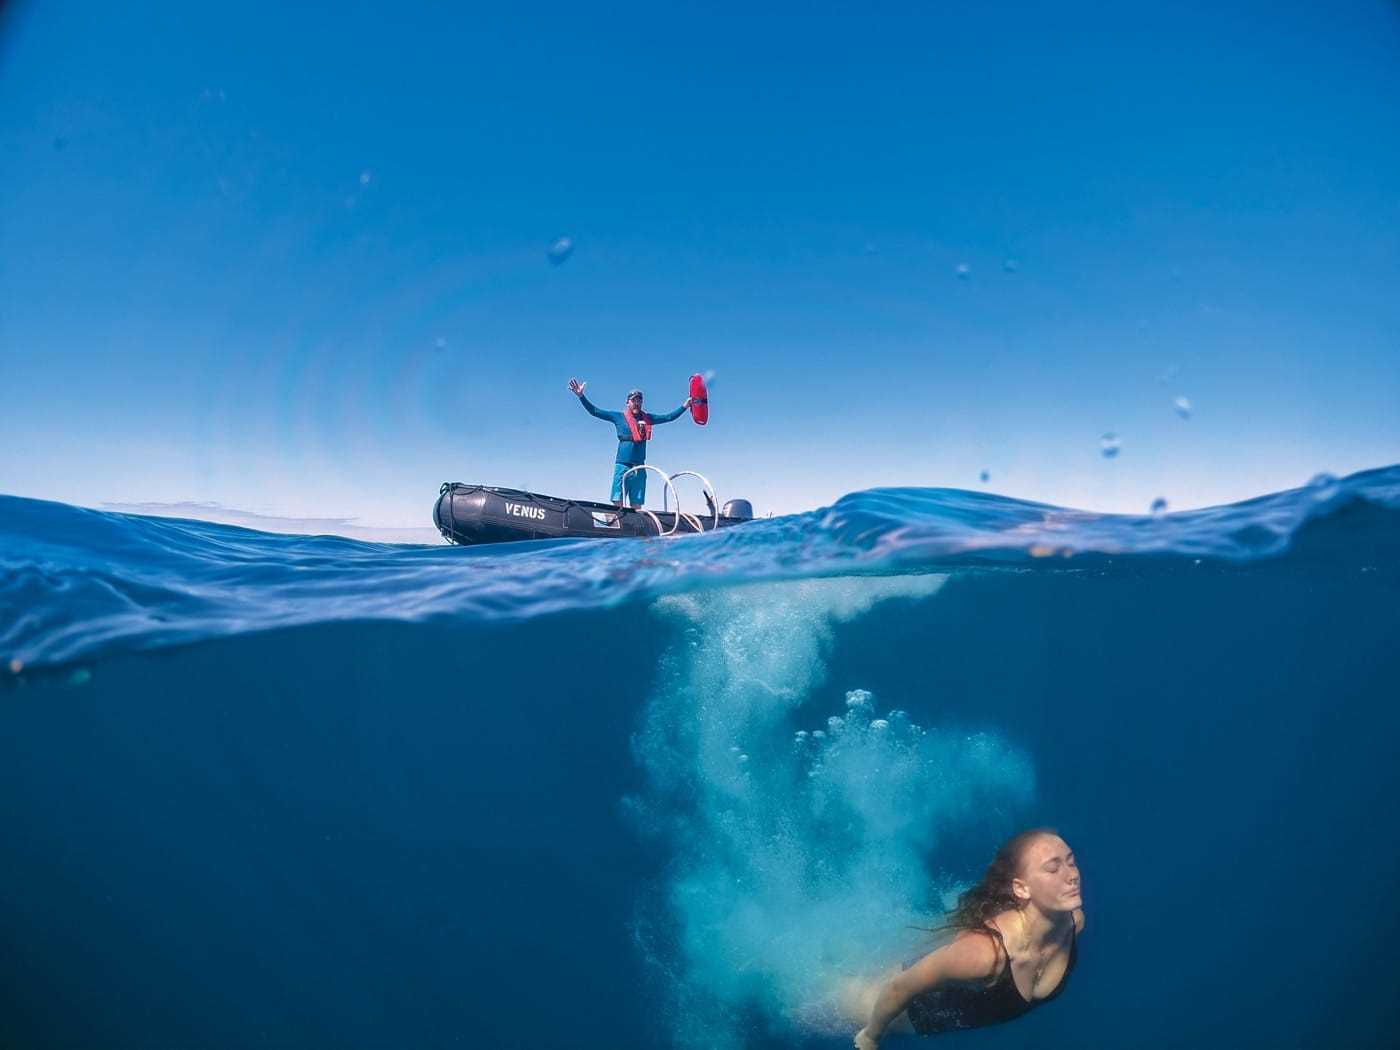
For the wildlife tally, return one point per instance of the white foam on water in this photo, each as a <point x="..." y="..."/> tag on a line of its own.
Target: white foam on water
<point x="799" y="841"/>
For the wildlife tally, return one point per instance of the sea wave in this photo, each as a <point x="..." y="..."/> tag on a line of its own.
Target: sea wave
<point x="77" y="584"/>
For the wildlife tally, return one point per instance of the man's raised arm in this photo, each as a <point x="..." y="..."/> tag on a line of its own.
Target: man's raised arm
<point x="593" y="410"/>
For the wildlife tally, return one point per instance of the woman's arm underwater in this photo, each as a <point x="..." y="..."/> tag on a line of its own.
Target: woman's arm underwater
<point x="971" y="957"/>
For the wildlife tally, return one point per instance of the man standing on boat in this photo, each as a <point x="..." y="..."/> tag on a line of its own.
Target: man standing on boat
<point x="633" y="432"/>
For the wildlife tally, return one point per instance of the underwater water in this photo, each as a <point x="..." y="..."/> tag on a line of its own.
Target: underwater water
<point x="296" y="791"/>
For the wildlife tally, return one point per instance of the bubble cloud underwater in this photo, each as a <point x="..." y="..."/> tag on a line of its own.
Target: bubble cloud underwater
<point x="800" y="839"/>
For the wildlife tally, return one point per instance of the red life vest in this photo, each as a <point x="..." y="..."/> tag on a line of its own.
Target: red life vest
<point x="641" y="428"/>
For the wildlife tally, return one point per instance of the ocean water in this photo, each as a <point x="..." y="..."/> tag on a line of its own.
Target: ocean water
<point x="272" y="790"/>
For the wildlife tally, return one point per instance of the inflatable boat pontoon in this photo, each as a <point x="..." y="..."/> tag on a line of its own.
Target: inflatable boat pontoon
<point x="472" y="514"/>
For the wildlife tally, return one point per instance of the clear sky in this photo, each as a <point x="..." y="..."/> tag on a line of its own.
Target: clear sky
<point x="292" y="259"/>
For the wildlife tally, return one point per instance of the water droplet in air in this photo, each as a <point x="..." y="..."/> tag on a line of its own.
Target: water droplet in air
<point x="985" y="476"/>
<point x="440" y="343"/>
<point x="1010" y="266"/>
<point x="60" y="143"/>
<point x="1159" y="507"/>
<point x="560" y="250"/>
<point x="1110" y="445"/>
<point x="366" y="177"/>
<point x="963" y="271"/>
<point x="1183" y="407"/>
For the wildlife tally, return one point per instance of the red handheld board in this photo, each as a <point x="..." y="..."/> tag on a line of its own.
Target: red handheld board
<point x="700" y="400"/>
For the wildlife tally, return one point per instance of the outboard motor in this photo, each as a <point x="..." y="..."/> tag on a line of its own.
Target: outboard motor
<point x="737" y="508"/>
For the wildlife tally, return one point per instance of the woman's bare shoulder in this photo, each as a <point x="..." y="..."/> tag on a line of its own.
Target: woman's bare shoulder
<point x="970" y="956"/>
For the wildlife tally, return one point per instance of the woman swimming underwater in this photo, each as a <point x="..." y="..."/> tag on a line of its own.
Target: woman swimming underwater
<point x="1016" y="941"/>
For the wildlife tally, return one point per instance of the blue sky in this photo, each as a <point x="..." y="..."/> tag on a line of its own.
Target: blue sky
<point x="294" y="261"/>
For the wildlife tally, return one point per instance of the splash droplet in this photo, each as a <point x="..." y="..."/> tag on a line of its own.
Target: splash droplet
<point x="440" y="343"/>
<point x="1110" y="445"/>
<point x="1159" y="507"/>
<point x="1183" y="407"/>
<point x="963" y="271"/>
<point x="366" y="177"/>
<point x="1324" y="486"/>
<point x="560" y="250"/>
<point x="1010" y="266"/>
<point x="985" y="476"/>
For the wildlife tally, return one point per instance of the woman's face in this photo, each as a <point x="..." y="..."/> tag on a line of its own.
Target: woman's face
<point x="1049" y="876"/>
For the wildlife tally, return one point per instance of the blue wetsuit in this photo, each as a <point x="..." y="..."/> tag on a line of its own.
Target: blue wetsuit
<point x="629" y="453"/>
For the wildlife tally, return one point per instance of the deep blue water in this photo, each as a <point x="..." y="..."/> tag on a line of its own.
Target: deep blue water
<point x="290" y="791"/>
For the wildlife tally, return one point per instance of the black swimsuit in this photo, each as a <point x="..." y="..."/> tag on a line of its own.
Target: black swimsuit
<point x="955" y="1006"/>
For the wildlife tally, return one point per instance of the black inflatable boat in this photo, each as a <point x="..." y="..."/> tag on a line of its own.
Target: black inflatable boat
<point x="470" y="514"/>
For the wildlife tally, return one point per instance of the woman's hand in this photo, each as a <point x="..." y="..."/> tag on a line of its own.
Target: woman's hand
<point x="865" y="1041"/>
<point x="688" y="402"/>
<point x="577" y="387"/>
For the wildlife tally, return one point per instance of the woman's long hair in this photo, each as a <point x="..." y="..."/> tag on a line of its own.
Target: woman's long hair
<point x="983" y="902"/>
